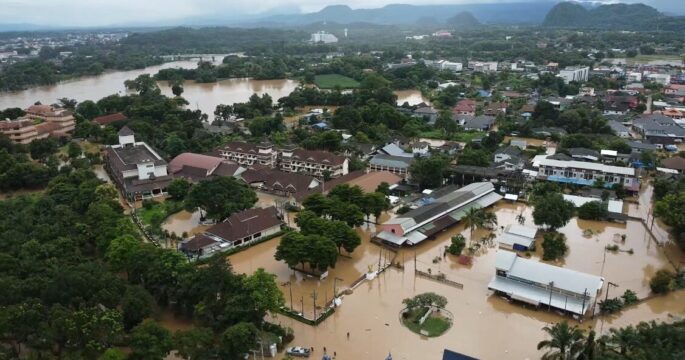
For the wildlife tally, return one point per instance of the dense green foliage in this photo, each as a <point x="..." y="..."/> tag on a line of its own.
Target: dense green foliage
<point x="593" y="210"/>
<point x="220" y="197"/>
<point x="554" y="246"/>
<point x="552" y="210"/>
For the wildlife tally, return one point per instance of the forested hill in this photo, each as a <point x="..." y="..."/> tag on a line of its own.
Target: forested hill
<point x="615" y="16"/>
<point x="464" y="20"/>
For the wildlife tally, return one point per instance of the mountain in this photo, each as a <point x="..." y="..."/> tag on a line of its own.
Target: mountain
<point x="624" y="16"/>
<point x="464" y="20"/>
<point x="531" y="12"/>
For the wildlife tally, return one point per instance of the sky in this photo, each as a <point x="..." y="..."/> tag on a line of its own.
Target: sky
<point x="126" y="12"/>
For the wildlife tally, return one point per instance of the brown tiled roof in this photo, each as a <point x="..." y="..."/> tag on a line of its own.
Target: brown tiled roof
<point x="243" y="147"/>
<point x="676" y="163"/>
<point x="6" y="125"/>
<point x="278" y="180"/>
<point x="226" y="169"/>
<point x="195" y="160"/>
<point x="47" y="127"/>
<point x="108" y="119"/>
<point x="330" y="184"/>
<point x="40" y="109"/>
<point x="197" y="242"/>
<point x="245" y="223"/>
<point x="466" y="105"/>
<point x="319" y="157"/>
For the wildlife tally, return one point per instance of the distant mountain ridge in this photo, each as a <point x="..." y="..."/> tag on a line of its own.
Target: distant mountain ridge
<point x="573" y="14"/>
<point x="503" y="13"/>
<point x="464" y="20"/>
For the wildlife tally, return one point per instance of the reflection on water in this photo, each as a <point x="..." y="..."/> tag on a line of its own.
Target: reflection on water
<point x="413" y="97"/>
<point x="183" y="221"/>
<point x="484" y="324"/>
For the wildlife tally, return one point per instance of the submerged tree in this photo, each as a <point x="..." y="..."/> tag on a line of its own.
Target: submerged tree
<point x="565" y="343"/>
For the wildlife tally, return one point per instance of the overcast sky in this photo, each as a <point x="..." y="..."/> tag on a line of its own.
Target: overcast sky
<point x="113" y="12"/>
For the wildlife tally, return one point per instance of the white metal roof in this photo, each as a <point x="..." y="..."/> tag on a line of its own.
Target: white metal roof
<point x="511" y="240"/>
<point x="666" y="170"/>
<point x="539" y="296"/>
<point x="541" y="273"/>
<point x="609" y="153"/>
<point x="512" y="197"/>
<point x="504" y="260"/>
<point x="521" y="230"/>
<point x="614" y="206"/>
<point x="588" y="166"/>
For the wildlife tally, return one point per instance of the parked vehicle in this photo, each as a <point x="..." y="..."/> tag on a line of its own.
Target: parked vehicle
<point x="298" y="351"/>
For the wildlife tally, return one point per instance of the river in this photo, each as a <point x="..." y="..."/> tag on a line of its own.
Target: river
<point x="203" y="96"/>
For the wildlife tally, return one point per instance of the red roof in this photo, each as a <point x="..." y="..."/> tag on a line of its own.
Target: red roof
<point x="246" y="223"/>
<point x="108" y="119"/>
<point x="195" y="160"/>
<point x="466" y="105"/>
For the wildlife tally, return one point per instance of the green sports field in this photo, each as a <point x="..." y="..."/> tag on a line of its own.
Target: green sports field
<point x="330" y="81"/>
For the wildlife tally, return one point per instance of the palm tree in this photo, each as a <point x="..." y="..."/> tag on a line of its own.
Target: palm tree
<point x="478" y="218"/>
<point x="566" y="342"/>
<point x="623" y="339"/>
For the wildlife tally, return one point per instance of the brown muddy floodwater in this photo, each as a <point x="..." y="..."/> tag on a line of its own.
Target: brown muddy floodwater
<point x="485" y="326"/>
<point x="413" y="97"/>
<point x="184" y="221"/>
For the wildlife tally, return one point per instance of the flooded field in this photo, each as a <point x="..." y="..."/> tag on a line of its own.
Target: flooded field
<point x="370" y="313"/>
<point x="413" y="97"/>
<point x="184" y="221"/>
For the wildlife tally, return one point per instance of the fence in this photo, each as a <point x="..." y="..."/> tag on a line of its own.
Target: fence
<point x="440" y="278"/>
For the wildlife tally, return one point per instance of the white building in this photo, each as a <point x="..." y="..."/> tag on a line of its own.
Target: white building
<point x="633" y="76"/>
<point x="575" y="73"/>
<point x="662" y="79"/>
<point x="586" y="173"/>
<point x="518" y="237"/>
<point x="483" y="66"/>
<point x="537" y="283"/>
<point x="323" y="37"/>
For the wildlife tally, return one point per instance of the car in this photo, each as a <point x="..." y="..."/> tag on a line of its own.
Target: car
<point x="298" y="351"/>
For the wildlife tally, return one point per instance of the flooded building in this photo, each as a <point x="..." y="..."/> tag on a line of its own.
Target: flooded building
<point x="237" y="230"/>
<point x="586" y="173"/>
<point x="518" y="237"/>
<point x="537" y="283"/>
<point x="249" y="154"/>
<point x="436" y="212"/>
<point x="62" y="118"/>
<point x="197" y="167"/>
<point x="136" y="168"/>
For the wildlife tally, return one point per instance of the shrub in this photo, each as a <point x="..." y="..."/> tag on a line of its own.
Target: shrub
<point x="554" y="246"/>
<point x="661" y="282"/>
<point x="611" y="305"/>
<point x="403" y="210"/>
<point x="457" y="246"/>
<point x="629" y="297"/>
<point x="593" y="210"/>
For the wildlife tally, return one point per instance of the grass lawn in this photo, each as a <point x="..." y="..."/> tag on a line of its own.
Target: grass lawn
<point x="435" y="325"/>
<point x="156" y="213"/>
<point x="465" y="136"/>
<point x="330" y="81"/>
<point x="648" y="58"/>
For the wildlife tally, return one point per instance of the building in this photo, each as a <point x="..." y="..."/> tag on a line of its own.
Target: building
<point x="21" y="131"/>
<point x="465" y="107"/>
<point x="676" y="163"/>
<point x="661" y="79"/>
<point x="575" y="73"/>
<point x="436" y="212"/>
<point x="239" y="229"/>
<point x="584" y="154"/>
<point x="398" y="165"/>
<point x="452" y="355"/>
<point x="427" y="113"/>
<point x="248" y="154"/>
<point x="323" y="37"/>
<point x="444" y="65"/>
<point x="46" y="113"/>
<point x="135" y="168"/>
<point x="620" y="129"/>
<point x="586" y="173"/>
<point x="109" y="119"/>
<point x="198" y="167"/>
<point x="633" y="77"/>
<point x="495" y="108"/>
<point x="638" y="147"/>
<point x="483" y="66"/>
<point x="659" y="129"/>
<point x="279" y="182"/>
<point x="478" y="123"/>
<point x="537" y="283"/>
<point x="518" y="237"/>
<point x="508" y="158"/>
<point x="614" y="207"/>
<point x="312" y="162"/>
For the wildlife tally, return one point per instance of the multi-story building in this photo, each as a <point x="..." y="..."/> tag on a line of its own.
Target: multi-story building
<point x="323" y="37"/>
<point x="136" y="168"/>
<point x="21" y="131"/>
<point x="46" y="113"/>
<point x="316" y="163"/>
<point x="465" y="107"/>
<point x="587" y="173"/>
<point x="483" y="66"/>
<point x="248" y="154"/>
<point x="575" y="73"/>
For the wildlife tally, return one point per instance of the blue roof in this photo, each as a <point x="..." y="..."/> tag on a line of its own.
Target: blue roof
<point x="484" y="93"/>
<point x="451" y="355"/>
<point x="321" y="125"/>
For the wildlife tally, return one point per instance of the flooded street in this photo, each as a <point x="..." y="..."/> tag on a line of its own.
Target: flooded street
<point x="483" y="324"/>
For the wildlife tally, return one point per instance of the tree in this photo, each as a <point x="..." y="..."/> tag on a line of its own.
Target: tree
<point x="425" y="300"/>
<point x="74" y="150"/>
<point x="150" y="341"/>
<point x="220" y="197"/>
<point x="237" y="340"/>
<point x="179" y="188"/>
<point x="143" y="84"/>
<point x="42" y="148"/>
<point x="177" y="89"/>
<point x="113" y="354"/>
<point x="383" y="188"/>
<point x="136" y="305"/>
<point x="318" y="203"/>
<point x="593" y="210"/>
<point x="318" y="251"/>
<point x="566" y="342"/>
<point x="474" y="157"/>
<point x="121" y="252"/>
<point x="376" y="203"/>
<point x="194" y="344"/>
<point x="88" y="109"/>
<point x="457" y="245"/>
<point x="660" y="283"/>
<point x="671" y="209"/>
<point x="554" y="246"/>
<point x="429" y="172"/>
<point x="264" y="291"/>
<point x="552" y="211"/>
<point x="478" y="218"/>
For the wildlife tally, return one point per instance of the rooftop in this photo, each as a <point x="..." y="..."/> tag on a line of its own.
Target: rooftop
<point x="588" y="166"/>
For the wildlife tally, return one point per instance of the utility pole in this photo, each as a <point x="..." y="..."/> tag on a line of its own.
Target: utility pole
<point x="290" y="287"/>
<point x="582" y="309"/>
<point x="314" y="297"/>
<point x="551" y="286"/>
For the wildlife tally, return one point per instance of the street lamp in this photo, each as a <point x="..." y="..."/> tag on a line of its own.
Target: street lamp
<point x="609" y="285"/>
<point x="290" y="288"/>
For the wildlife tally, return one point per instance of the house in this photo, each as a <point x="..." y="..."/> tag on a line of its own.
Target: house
<point x="661" y="79"/>
<point x="483" y="66"/>
<point x="420" y="148"/>
<point x="465" y="107"/>
<point x="638" y="147"/>
<point x="584" y="154"/>
<point x="676" y="163"/>
<point x="394" y="150"/>
<point x="518" y="237"/>
<point x="659" y="129"/>
<point x="495" y="108"/>
<point x="478" y="123"/>
<point x="105" y="120"/>
<point x="521" y="144"/>
<point x="436" y="212"/>
<point x="313" y="162"/>
<point x="137" y="170"/>
<point x="279" y="182"/>
<point x="633" y="77"/>
<point x="586" y="173"/>
<point x="549" y="131"/>
<point x="239" y="229"/>
<point x="614" y="207"/>
<point x="620" y="129"/>
<point x="197" y="167"/>
<point x="537" y="283"/>
<point x="574" y="73"/>
<point x="46" y="113"/>
<point x="398" y="165"/>
<point x="508" y="158"/>
<point x="427" y="113"/>
<point x="527" y="111"/>
<point x="248" y="154"/>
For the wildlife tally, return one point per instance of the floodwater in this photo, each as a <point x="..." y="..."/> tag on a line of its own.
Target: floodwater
<point x="202" y="96"/>
<point x="483" y="323"/>
<point x="413" y="97"/>
<point x="184" y="221"/>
